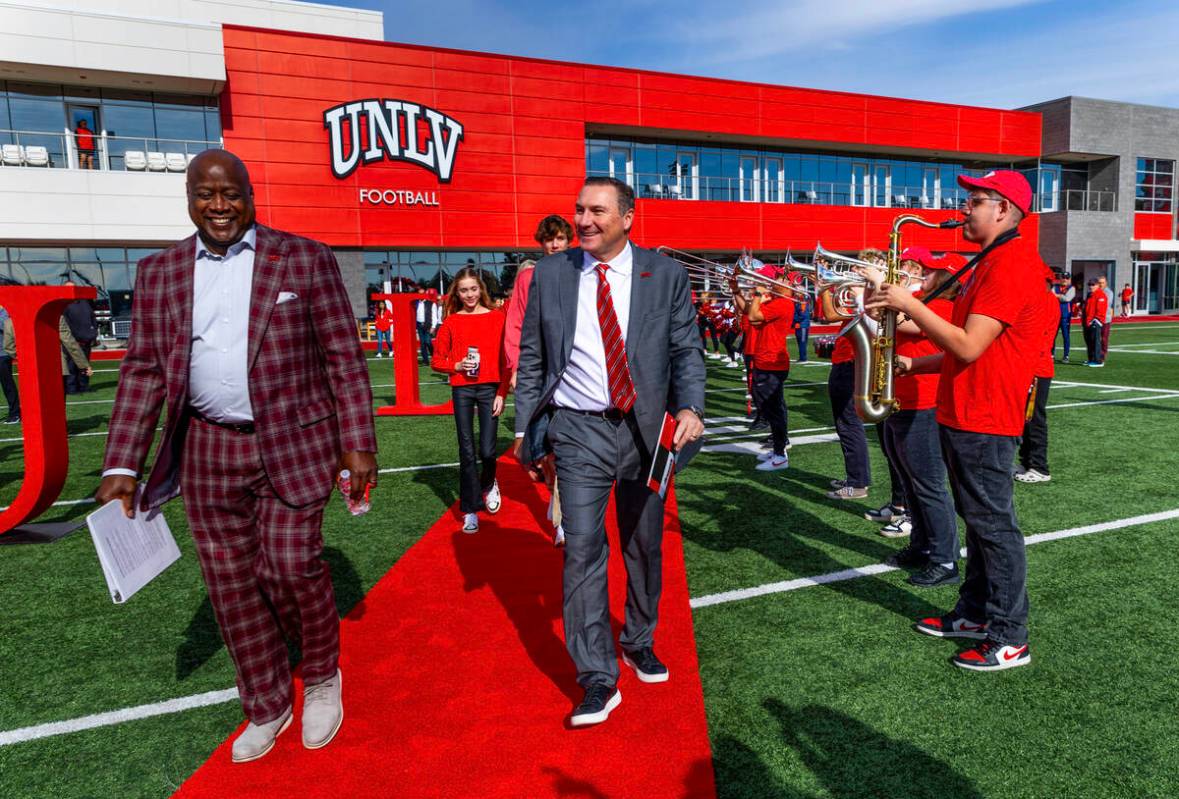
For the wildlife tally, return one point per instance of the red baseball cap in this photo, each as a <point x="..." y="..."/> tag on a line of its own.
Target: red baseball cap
<point x="1007" y="182"/>
<point x="951" y="262"/>
<point x="768" y="270"/>
<point x="921" y="255"/>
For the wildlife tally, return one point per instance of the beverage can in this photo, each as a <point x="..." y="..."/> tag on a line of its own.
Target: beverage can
<point x="345" y="483"/>
<point x="473" y="352"/>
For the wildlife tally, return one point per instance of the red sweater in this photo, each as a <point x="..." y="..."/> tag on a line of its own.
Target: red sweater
<point x="462" y="330"/>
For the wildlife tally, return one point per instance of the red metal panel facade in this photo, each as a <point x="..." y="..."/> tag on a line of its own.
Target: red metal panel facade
<point x="522" y="153"/>
<point x="1153" y="226"/>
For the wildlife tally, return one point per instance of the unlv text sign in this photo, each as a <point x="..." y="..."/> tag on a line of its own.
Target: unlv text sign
<point x="394" y="130"/>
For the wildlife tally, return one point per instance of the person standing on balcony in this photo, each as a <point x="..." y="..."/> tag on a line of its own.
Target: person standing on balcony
<point x="84" y="139"/>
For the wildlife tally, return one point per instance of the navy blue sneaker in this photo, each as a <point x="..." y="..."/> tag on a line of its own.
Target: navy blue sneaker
<point x="599" y="700"/>
<point x="648" y="668"/>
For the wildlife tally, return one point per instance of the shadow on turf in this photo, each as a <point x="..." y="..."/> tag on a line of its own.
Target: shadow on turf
<point x="202" y="637"/>
<point x="772" y="524"/>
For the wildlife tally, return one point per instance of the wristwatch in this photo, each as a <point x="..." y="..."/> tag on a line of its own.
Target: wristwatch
<point x="698" y="411"/>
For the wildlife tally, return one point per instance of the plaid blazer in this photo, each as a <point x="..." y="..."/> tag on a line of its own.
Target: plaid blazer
<point x="308" y="381"/>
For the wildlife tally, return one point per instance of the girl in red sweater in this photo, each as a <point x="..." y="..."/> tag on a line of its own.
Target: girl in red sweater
<point x="469" y="348"/>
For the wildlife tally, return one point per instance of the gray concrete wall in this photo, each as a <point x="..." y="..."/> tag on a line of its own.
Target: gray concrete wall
<point x="352" y="270"/>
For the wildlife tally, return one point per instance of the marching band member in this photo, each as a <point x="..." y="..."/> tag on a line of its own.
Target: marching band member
<point x="990" y="347"/>
<point x="1033" y="446"/>
<point x="912" y="437"/>
<point x="773" y="316"/>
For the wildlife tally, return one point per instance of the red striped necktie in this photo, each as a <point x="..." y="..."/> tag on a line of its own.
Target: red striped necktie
<point x="622" y="390"/>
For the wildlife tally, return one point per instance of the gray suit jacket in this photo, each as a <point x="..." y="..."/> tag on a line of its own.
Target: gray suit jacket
<point x="663" y="344"/>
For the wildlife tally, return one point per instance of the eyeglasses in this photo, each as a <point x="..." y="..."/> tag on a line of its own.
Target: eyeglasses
<point x="970" y="202"/>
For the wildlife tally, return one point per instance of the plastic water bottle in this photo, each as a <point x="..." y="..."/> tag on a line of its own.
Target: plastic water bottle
<point x="345" y="484"/>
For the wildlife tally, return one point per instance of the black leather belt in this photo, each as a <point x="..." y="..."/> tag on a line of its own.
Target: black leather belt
<point x="237" y="427"/>
<point x="610" y="414"/>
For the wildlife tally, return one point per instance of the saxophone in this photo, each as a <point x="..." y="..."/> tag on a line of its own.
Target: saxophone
<point x="873" y="394"/>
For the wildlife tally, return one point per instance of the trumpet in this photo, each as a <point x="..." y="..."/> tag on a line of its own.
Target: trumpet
<point x="705" y="273"/>
<point x="873" y="394"/>
<point x="835" y="290"/>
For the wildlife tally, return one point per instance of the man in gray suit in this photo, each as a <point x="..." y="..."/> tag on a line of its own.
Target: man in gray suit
<point x="608" y="346"/>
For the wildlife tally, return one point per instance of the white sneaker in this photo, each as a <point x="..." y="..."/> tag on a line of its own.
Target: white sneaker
<point x="470" y="523"/>
<point x="1032" y="476"/>
<point x="774" y="463"/>
<point x="715" y="356"/>
<point x="732" y="365"/>
<point x="900" y="529"/>
<point x="491" y="500"/>
<point x="559" y="537"/>
<point x="748" y="396"/>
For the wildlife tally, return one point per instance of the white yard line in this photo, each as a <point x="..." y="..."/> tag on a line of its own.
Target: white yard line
<point x="879" y="568"/>
<point x="181" y="704"/>
<point x="1120" y="351"/>
<point x="1151" y="398"/>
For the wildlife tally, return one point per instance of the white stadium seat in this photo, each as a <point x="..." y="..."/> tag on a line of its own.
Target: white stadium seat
<point x="176" y="162"/>
<point x="35" y="155"/>
<point x="156" y="162"/>
<point x="13" y="155"/>
<point x="135" y="160"/>
<point x="188" y="159"/>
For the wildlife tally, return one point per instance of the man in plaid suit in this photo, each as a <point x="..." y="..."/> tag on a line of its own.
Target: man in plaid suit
<point x="246" y="335"/>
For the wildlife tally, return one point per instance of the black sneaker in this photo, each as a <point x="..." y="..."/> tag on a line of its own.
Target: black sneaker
<point x="759" y="424"/>
<point x="907" y="558"/>
<point x="648" y="668"/>
<point x="12" y="420"/>
<point x="935" y="574"/>
<point x="599" y="700"/>
<point x="885" y="513"/>
<point x="993" y="656"/>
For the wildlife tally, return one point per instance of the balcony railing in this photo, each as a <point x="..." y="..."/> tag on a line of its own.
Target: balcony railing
<point x="1089" y="200"/>
<point x="812" y="192"/>
<point x="45" y="150"/>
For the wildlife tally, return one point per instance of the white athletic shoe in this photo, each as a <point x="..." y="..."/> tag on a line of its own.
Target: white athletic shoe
<point x="1032" y="476"/>
<point x="774" y="463"/>
<point x="379" y="355"/>
<point x="898" y="529"/>
<point x="470" y="523"/>
<point x="491" y="500"/>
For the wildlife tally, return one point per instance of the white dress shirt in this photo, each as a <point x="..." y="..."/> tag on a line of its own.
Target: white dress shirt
<point x="217" y="369"/>
<point x="584" y="385"/>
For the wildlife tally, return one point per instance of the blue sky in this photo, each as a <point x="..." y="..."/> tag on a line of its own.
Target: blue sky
<point x="1016" y="52"/>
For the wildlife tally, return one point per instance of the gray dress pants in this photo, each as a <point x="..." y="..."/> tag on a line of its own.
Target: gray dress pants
<point x="594" y="457"/>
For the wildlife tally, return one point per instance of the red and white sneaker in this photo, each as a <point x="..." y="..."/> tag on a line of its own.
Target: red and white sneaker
<point x="951" y="626"/>
<point x="993" y="656"/>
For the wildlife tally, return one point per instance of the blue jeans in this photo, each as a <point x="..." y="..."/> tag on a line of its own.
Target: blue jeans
<point x="840" y="387"/>
<point x="475" y="478"/>
<point x="913" y="440"/>
<point x="425" y="343"/>
<point x="385" y="337"/>
<point x="1066" y="319"/>
<point x="996" y="586"/>
<point x="802" y="334"/>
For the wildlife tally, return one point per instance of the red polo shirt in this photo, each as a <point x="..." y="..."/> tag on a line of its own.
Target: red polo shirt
<point x="772" y="354"/>
<point x="1049" y="321"/>
<point x="990" y="395"/>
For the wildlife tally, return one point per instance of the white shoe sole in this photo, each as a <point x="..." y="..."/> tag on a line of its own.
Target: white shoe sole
<point x="492" y="509"/>
<point x="978" y="636"/>
<point x="1002" y="666"/>
<point x="588" y="719"/>
<point x="339" y="721"/>
<point x="266" y="751"/>
<point x="768" y="466"/>
<point x="894" y="533"/>
<point x="644" y="676"/>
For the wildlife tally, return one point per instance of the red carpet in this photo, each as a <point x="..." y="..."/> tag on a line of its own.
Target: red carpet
<point x="457" y="683"/>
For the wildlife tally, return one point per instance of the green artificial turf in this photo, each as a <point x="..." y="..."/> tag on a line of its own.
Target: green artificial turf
<point x="818" y="692"/>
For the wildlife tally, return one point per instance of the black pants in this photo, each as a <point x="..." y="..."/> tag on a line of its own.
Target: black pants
<point x="1033" y="447"/>
<point x="473" y="480"/>
<point x="995" y="589"/>
<point x="767" y="393"/>
<point x="1093" y="342"/>
<point x="9" y="385"/>
<point x="914" y="441"/>
<point x="76" y="381"/>
<point x="840" y="388"/>
<point x="896" y="482"/>
<point x="729" y="341"/>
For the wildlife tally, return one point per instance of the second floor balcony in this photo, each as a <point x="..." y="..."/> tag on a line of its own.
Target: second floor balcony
<point x="97" y="151"/>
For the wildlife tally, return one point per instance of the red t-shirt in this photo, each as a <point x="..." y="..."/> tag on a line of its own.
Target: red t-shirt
<point x="384" y="319"/>
<point x="844" y="352"/>
<point x="772" y="354"/>
<point x="990" y="395"/>
<point x="85" y="139"/>
<point x="749" y="345"/>
<point x="1049" y="321"/>
<point x="1127" y="294"/>
<point x="462" y="330"/>
<point x="919" y="392"/>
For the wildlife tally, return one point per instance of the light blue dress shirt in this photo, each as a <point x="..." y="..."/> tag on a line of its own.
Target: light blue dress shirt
<point x="218" y="370"/>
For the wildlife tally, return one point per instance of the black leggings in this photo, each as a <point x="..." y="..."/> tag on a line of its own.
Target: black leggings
<point x="474" y="481"/>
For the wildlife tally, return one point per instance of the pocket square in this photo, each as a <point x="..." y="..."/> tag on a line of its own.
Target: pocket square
<point x="286" y="296"/>
<point x="644" y="274"/>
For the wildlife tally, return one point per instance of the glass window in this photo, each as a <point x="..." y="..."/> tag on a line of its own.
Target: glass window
<point x="180" y="125"/>
<point x="598" y="160"/>
<point x="1153" y="184"/>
